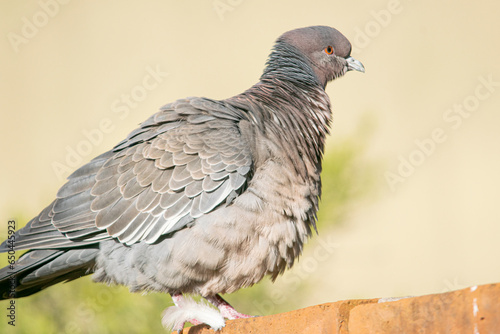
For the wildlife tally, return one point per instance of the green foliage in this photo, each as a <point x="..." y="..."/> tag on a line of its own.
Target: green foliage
<point x="346" y="178"/>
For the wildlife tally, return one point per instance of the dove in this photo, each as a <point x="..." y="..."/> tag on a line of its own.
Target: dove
<point x="205" y="197"/>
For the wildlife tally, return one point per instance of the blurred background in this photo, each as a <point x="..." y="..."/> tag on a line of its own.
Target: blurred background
<point x="411" y="175"/>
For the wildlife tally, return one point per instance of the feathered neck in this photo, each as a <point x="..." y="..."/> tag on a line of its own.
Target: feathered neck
<point x="286" y="63"/>
<point x="290" y="107"/>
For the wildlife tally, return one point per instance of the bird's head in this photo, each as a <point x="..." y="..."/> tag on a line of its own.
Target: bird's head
<point x="325" y="48"/>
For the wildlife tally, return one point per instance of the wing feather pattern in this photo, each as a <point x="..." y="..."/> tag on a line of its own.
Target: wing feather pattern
<point x="181" y="163"/>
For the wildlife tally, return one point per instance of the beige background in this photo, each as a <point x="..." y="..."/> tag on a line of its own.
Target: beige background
<point x="438" y="230"/>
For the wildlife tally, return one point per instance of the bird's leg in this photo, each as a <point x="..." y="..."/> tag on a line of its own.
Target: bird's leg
<point x="225" y="308"/>
<point x="177" y="298"/>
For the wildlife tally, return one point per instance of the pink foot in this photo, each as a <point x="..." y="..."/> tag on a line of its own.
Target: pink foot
<point x="225" y="308"/>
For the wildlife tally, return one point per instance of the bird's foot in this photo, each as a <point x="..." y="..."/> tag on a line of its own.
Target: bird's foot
<point x="225" y="308"/>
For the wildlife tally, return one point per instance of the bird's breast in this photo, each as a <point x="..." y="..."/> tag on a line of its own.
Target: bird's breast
<point x="261" y="233"/>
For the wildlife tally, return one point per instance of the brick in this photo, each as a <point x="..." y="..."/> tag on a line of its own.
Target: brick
<point x="471" y="310"/>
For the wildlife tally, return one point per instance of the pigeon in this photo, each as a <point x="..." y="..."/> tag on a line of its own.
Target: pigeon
<point x="205" y="197"/>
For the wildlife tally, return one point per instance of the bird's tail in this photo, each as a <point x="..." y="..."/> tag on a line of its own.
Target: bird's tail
<point x="39" y="269"/>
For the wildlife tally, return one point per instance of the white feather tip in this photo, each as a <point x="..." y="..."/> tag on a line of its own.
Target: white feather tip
<point x="188" y="309"/>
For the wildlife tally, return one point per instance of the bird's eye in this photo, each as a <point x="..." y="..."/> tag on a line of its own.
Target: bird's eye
<point x="329" y="50"/>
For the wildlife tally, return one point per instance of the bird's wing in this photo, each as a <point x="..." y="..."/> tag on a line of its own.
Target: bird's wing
<point x="180" y="164"/>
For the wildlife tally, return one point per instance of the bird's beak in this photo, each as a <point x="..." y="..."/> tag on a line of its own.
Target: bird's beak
<point x="353" y="64"/>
